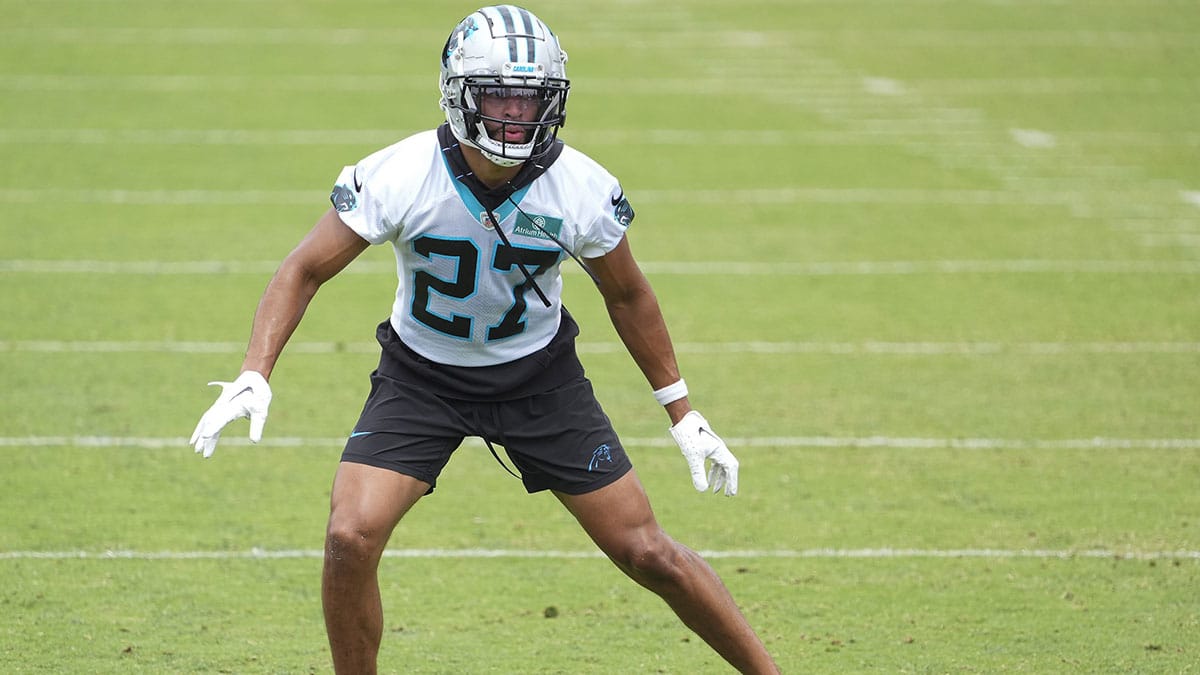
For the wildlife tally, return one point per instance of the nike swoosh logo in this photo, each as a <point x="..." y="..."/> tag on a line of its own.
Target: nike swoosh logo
<point x="357" y="181"/>
<point x="618" y="199"/>
<point x="360" y="434"/>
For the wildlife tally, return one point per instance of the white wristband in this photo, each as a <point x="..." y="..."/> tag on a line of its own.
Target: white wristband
<point x="671" y="392"/>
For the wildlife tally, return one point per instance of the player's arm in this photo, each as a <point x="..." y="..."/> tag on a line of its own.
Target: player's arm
<point x="324" y="252"/>
<point x="327" y="249"/>
<point x="636" y="315"/>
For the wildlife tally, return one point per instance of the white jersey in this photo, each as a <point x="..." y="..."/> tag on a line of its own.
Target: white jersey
<point x="461" y="299"/>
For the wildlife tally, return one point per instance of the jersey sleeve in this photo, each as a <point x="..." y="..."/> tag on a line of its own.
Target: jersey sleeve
<point x="611" y="216"/>
<point x="359" y="207"/>
<point x="374" y="196"/>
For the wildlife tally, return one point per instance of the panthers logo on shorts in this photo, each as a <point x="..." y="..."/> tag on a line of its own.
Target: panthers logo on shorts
<point x="600" y="454"/>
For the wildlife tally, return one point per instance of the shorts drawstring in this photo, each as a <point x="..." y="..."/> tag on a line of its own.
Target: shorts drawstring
<point x="496" y="421"/>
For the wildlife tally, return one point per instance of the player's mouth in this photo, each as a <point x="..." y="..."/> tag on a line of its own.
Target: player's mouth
<point x="513" y="134"/>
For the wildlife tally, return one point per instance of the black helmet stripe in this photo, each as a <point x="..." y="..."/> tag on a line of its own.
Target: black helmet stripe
<point x="509" y="29"/>
<point x="530" y="46"/>
<point x="511" y="32"/>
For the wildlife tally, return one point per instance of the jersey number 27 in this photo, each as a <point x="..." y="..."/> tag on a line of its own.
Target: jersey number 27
<point x="465" y="282"/>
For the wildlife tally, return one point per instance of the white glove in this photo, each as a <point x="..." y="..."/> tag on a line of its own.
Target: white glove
<point x="247" y="396"/>
<point x="698" y="443"/>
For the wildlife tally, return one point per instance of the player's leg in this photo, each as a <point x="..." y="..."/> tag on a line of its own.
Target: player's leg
<point x="402" y="440"/>
<point x="619" y="519"/>
<point x="366" y="504"/>
<point x="561" y="440"/>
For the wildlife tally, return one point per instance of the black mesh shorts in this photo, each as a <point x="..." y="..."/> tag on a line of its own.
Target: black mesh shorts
<point x="557" y="440"/>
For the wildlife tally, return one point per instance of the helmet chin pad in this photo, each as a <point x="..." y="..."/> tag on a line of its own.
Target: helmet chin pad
<point x="499" y="160"/>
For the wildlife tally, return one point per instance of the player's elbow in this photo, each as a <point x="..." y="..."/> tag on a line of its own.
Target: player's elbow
<point x="301" y="274"/>
<point x="630" y="299"/>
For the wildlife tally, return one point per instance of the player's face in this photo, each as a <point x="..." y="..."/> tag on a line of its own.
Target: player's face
<point x="509" y="103"/>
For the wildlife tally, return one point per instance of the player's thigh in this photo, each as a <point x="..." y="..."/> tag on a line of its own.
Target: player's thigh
<point x="368" y="501"/>
<point x="618" y="516"/>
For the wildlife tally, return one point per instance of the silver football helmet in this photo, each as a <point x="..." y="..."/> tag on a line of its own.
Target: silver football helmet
<point x="506" y="52"/>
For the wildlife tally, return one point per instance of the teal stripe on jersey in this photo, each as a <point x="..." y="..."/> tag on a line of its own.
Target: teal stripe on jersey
<point x="502" y="212"/>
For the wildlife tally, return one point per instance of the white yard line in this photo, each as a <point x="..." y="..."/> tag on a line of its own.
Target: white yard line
<point x="733" y="84"/>
<point x="474" y="553"/>
<point x="1016" y="196"/>
<point x="281" y="137"/>
<point x="161" y="197"/>
<point x="686" y="137"/>
<point x="866" y="347"/>
<point x="716" y="267"/>
<point x="731" y="39"/>
<point x="882" y="442"/>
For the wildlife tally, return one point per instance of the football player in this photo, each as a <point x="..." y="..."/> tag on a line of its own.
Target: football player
<point x="481" y="212"/>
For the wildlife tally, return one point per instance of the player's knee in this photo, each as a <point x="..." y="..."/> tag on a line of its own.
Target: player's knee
<point x="654" y="560"/>
<point x="349" y="544"/>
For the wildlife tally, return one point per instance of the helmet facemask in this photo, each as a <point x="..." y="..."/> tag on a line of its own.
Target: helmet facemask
<point x="523" y="123"/>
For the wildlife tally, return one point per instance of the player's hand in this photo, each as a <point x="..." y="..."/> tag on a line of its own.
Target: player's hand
<point x="699" y="444"/>
<point x="247" y="396"/>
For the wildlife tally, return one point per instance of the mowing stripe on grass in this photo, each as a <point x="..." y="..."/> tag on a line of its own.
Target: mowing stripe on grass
<point x="469" y="553"/>
<point x="894" y="442"/>
<point x="871" y="347"/>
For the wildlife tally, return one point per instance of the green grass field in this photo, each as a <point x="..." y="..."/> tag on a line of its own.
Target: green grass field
<point x="932" y="268"/>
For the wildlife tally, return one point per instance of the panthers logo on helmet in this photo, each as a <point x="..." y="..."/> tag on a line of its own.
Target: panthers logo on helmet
<point x="465" y="29"/>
